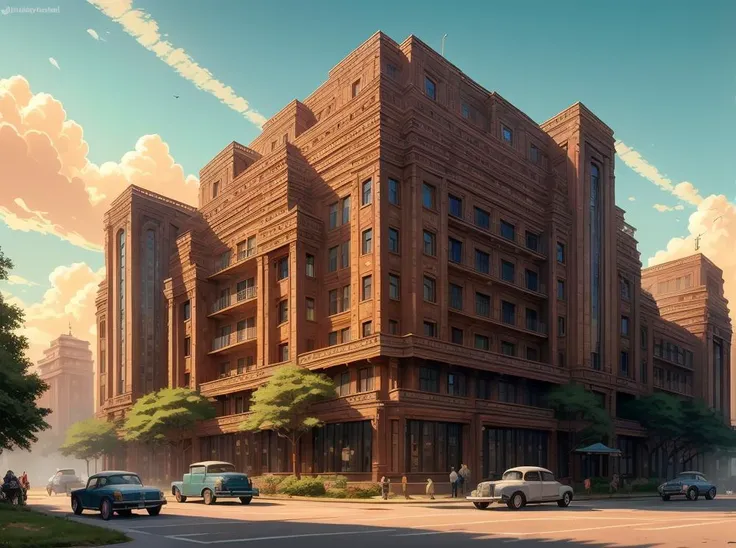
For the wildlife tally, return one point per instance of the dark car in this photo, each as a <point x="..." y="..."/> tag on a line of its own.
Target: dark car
<point x="64" y="481"/>
<point x="117" y="492"/>
<point x="688" y="484"/>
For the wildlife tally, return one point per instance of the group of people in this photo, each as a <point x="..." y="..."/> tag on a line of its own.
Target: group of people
<point x="458" y="481"/>
<point x="14" y="487"/>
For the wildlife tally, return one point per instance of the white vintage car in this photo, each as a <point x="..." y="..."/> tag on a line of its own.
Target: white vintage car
<point x="521" y="486"/>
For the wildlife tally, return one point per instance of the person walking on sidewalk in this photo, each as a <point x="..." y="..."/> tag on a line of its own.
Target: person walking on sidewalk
<point x="430" y="489"/>
<point x="453" y="482"/>
<point x="464" y="474"/>
<point x="405" y="486"/>
<point x="385" y="487"/>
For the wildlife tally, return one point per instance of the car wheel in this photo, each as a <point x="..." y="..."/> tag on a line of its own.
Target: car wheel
<point x="481" y="505"/>
<point x="692" y="494"/>
<point x="711" y="494"/>
<point x="154" y="511"/>
<point x="178" y="496"/>
<point x="77" y="506"/>
<point x="517" y="501"/>
<point x="208" y="497"/>
<point x="665" y="498"/>
<point x="245" y="500"/>
<point x="106" y="510"/>
<point x="565" y="501"/>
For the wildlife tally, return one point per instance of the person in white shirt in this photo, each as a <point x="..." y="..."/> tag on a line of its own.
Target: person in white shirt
<point x="453" y="482"/>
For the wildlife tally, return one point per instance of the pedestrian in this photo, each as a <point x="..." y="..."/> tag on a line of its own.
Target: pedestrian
<point x="385" y="487"/>
<point x="465" y="474"/>
<point x="405" y="487"/>
<point x="430" y="489"/>
<point x="453" y="482"/>
<point x="588" y="486"/>
<point x="613" y="486"/>
<point x="461" y="478"/>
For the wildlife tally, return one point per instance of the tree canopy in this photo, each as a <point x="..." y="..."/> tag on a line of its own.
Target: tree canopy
<point x="22" y="419"/>
<point x="283" y="405"/>
<point x="90" y="439"/>
<point x="588" y="422"/>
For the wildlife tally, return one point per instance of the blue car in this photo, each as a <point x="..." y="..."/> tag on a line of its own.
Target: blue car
<point x="213" y="480"/>
<point x="689" y="484"/>
<point x="117" y="492"/>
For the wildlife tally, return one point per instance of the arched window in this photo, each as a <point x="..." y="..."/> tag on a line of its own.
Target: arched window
<point x="596" y="255"/>
<point x="121" y="307"/>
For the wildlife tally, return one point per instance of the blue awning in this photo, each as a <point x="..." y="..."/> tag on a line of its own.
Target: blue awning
<point x="599" y="449"/>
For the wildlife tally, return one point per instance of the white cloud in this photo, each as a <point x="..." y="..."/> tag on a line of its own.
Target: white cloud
<point x="14" y="279"/>
<point x="662" y="208"/>
<point x="141" y="26"/>
<point x="54" y="62"/>
<point x="632" y="198"/>
<point x="93" y="34"/>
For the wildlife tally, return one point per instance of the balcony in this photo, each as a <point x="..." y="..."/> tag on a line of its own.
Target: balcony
<point x="229" y="264"/>
<point x="679" y="388"/>
<point x="232" y="301"/>
<point x="667" y="357"/>
<point x="514" y="321"/>
<point x="227" y="424"/>
<point x="520" y="282"/>
<point x="225" y="343"/>
<point x="516" y="240"/>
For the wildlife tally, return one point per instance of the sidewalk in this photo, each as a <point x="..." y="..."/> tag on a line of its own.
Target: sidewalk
<point x="440" y="499"/>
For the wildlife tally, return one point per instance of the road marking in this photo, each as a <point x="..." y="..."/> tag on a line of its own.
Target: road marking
<point x="282" y="537"/>
<point x="191" y="534"/>
<point x="711" y="522"/>
<point x="211" y="522"/>
<point x="527" y="534"/>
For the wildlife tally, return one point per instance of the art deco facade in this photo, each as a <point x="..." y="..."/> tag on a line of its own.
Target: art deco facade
<point x="426" y="244"/>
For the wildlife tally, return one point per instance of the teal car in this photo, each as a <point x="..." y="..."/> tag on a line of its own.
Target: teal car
<point x="117" y="492"/>
<point x="211" y="480"/>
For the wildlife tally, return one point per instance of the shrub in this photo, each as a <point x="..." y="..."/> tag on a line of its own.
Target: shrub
<point x="363" y="491"/>
<point x="268" y="485"/>
<point x="286" y="484"/>
<point x="305" y="487"/>
<point x="337" y="493"/>
<point x="334" y="482"/>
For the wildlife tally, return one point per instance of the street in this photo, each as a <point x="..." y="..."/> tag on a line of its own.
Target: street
<point x="616" y="522"/>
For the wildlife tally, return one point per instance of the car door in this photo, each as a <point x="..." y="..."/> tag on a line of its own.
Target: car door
<point x="88" y="500"/>
<point x="550" y="487"/>
<point x="196" y="478"/>
<point x="533" y="483"/>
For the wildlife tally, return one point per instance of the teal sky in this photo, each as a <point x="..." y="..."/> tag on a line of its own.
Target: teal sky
<point x="661" y="73"/>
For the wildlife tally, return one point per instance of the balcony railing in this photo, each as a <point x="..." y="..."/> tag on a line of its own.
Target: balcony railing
<point x="226" y="260"/>
<point x="233" y="298"/>
<point x="242" y="335"/>
<point x="519" y="238"/>
<point x="677" y="388"/>
<point x="519" y="281"/>
<point x="515" y="320"/>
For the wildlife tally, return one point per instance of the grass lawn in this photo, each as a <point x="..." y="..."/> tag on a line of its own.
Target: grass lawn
<point x="24" y="527"/>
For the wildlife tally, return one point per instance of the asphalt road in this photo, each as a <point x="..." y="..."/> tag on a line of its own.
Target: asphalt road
<point x="635" y="522"/>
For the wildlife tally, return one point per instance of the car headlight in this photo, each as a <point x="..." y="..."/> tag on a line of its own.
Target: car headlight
<point x="218" y="483"/>
<point x="160" y="495"/>
<point x="118" y="495"/>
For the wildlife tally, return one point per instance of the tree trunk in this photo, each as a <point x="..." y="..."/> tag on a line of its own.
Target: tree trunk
<point x="87" y="461"/>
<point x="294" y="463"/>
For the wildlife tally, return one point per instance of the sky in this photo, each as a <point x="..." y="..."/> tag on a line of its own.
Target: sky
<point x="87" y="107"/>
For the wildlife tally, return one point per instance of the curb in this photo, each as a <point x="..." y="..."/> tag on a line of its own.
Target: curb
<point x="431" y="502"/>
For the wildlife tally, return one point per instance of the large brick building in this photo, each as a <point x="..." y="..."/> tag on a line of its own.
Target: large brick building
<point x="426" y="244"/>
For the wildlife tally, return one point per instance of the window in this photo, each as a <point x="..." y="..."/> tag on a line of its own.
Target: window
<point x="456" y="297"/>
<point x="394" y="192"/>
<point x="273" y="145"/>
<point x="482" y="261"/>
<point x="561" y="289"/>
<point x="224" y="369"/>
<point x="429" y="196"/>
<point x="367" y="192"/>
<point x="241" y="366"/>
<point x="332" y="259"/>
<point x="393" y="240"/>
<point x="625" y="326"/>
<point x="508" y="230"/>
<point x="532" y="280"/>
<point x="367" y="329"/>
<point x="432" y="447"/>
<point x="455" y="250"/>
<point x="482" y="342"/>
<point x="365" y="379"/>
<point x="392" y="71"/>
<point x="625" y="364"/>
<point x="561" y="326"/>
<point x="283" y="268"/>
<point x="456" y="335"/>
<point x="332" y="338"/>
<point x="283" y="311"/>
<point x="625" y="289"/>
<point x="429" y="379"/>
<point x="356" y="88"/>
<point x="367" y="288"/>
<point x="482" y="305"/>
<point x="507" y="135"/>
<point x="508" y="349"/>
<point x="332" y="442"/>
<point x="393" y="327"/>
<point x="456" y="385"/>
<point x="394" y="287"/>
<point x="339" y="300"/>
<point x="532" y="241"/>
<point x="465" y="110"/>
<point x="532" y="354"/>
<point x="346" y="210"/>
<point x="311" y="314"/>
<point x="507" y="272"/>
<point x="430" y="88"/>
<point x="333" y="215"/>
<point x="430" y="243"/>
<point x="430" y="329"/>
<point x="482" y="218"/>
<point x="215" y="189"/>
<point x="456" y="206"/>
<point x="644" y="371"/>
<point x="310" y="265"/>
<point x="187" y="347"/>
<point x="430" y="290"/>
<point x="186" y="310"/>
<point x="367" y="239"/>
<point x="345" y="254"/>
<point x="560" y="253"/>
<point x="508" y="311"/>
<point x="534" y="154"/>
<point x="532" y="320"/>
<point x="345" y="335"/>
<point x="643" y="336"/>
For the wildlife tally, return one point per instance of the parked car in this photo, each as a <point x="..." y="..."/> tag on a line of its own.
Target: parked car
<point x="117" y="492"/>
<point x="688" y="484"/>
<point x="63" y="481"/>
<point x="521" y="486"/>
<point x="212" y="480"/>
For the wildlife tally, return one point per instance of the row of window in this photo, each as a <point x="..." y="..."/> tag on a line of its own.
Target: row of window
<point x="482" y="305"/>
<point x="339" y="212"/>
<point x="673" y="353"/>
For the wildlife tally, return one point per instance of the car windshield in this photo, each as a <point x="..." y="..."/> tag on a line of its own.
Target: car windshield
<point x="124" y="479"/>
<point x="66" y="472"/>
<point x="512" y="475"/>
<point x="220" y="468"/>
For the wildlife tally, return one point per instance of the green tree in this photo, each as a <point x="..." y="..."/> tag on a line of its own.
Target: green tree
<point x="22" y="419"/>
<point x="587" y="421"/>
<point x="283" y="405"/>
<point x="90" y="439"/>
<point x="167" y="418"/>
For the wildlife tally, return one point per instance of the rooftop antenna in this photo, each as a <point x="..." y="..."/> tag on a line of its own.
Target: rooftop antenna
<point x="443" y="44"/>
<point x="697" y="241"/>
<point x="70" y="328"/>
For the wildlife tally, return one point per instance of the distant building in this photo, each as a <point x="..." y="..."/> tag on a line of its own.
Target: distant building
<point x="67" y="367"/>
